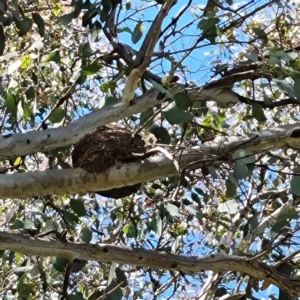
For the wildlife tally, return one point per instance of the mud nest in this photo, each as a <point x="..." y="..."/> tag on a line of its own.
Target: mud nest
<point x="105" y="147"/>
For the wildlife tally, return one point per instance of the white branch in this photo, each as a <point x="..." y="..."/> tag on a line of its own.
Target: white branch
<point x="269" y="221"/>
<point x="32" y="142"/>
<point x="146" y="258"/>
<point x="76" y="180"/>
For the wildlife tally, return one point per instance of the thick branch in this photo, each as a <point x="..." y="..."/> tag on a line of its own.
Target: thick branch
<point x="32" y="142"/>
<point x="76" y="180"/>
<point x="147" y="258"/>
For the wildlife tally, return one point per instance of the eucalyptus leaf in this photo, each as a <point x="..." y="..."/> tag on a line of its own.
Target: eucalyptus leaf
<point x="297" y="88"/>
<point x="295" y="185"/>
<point x="91" y="69"/>
<point x="194" y="210"/>
<point x="137" y="32"/>
<point x="77" y="206"/>
<point x="65" y="19"/>
<point x="230" y="189"/>
<point x="183" y="101"/>
<point x="161" y="133"/>
<point x="129" y="230"/>
<point x="2" y="40"/>
<point x="86" y="235"/>
<point x="176" y="116"/>
<point x="230" y="207"/>
<point x="258" y="112"/>
<point x="38" y="20"/>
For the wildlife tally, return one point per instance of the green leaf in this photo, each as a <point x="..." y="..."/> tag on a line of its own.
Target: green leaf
<point x="65" y="19"/>
<point x="26" y="62"/>
<point x="194" y="210"/>
<point x="161" y="88"/>
<point x="105" y="87"/>
<point x="195" y="197"/>
<point x="278" y="226"/>
<point x="240" y="171"/>
<point x="54" y="56"/>
<point x="172" y="209"/>
<point x="137" y="32"/>
<point x="18" y="224"/>
<point x="156" y="225"/>
<point x="23" y="25"/>
<point x="230" y="207"/>
<point x="208" y="24"/>
<point x="243" y="157"/>
<point x="30" y="93"/>
<point x="77" y="206"/>
<point x="91" y="69"/>
<point x="70" y="217"/>
<point x="230" y="189"/>
<point x="161" y="133"/>
<point x="259" y="32"/>
<point x="23" y="288"/>
<point x="2" y="40"/>
<point x="86" y="50"/>
<point x="86" y="235"/>
<point x="199" y="190"/>
<point x="176" y="116"/>
<point x="295" y="185"/>
<point x="113" y="292"/>
<point x="284" y="56"/>
<point x="96" y="295"/>
<point x="252" y="55"/>
<point x="128" y="5"/>
<point x="109" y="100"/>
<point x="11" y="103"/>
<point x="121" y="277"/>
<point x="183" y="101"/>
<point x="220" y="292"/>
<point x="38" y="20"/>
<point x="258" y="112"/>
<point x="297" y="88"/>
<point x="129" y="230"/>
<point x="57" y="116"/>
<point x="60" y="263"/>
<point x="285" y="87"/>
<point x="124" y="29"/>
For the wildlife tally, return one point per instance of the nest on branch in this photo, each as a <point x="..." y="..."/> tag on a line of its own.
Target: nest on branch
<point x="105" y="147"/>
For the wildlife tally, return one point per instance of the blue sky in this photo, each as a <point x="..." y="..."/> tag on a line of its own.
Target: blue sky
<point x="199" y="63"/>
<point x="204" y="57"/>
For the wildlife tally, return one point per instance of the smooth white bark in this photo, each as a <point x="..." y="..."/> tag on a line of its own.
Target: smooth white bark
<point x="76" y="180"/>
<point x="32" y="142"/>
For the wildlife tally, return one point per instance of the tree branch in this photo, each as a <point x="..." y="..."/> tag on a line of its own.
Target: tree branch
<point x="22" y="144"/>
<point x="144" y="258"/>
<point x="31" y="142"/>
<point x="210" y="153"/>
